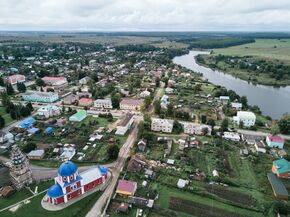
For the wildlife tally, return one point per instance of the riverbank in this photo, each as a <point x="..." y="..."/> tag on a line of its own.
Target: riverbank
<point x="246" y="75"/>
<point x="265" y="97"/>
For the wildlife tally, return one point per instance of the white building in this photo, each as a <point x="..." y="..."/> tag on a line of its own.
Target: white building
<point x="145" y="93"/>
<point x="237" y="106"/>
<point x="125" y="124"/>
<point x="232" y="136"/>
<point x="68" y="152"/>
<point x="169" y="90"/>
<point x="48" y="111"/>
<point x="103" y="103"/>
<point x="195" y="128"/>
<point x="164" y="102"/>
<point x="248" y="118"/>
<point x="162" y="125"/>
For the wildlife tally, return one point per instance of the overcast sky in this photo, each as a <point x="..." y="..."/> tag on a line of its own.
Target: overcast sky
<point x="144" y="15"/>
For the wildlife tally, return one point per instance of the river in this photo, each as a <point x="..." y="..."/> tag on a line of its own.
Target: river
<point x="273" y="102"/>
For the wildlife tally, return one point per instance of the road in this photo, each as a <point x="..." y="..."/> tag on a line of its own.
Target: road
<point x="260" y="133"/>
<point x="103" y="201"/>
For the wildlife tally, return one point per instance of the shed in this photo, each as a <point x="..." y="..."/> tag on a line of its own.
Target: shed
<point x="79" y="116"/>
<point x="49" y="130"/>
<point x="27" y="123"/>
<point x="33" y="130"/>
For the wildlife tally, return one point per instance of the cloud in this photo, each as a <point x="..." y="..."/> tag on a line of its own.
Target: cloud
<point x="161" y="15"/>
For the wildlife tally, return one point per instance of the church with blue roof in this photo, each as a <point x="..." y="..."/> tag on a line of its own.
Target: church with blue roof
<point x="70" y="184"/>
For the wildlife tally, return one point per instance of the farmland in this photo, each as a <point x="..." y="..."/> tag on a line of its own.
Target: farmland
<point x="271" y="49"/>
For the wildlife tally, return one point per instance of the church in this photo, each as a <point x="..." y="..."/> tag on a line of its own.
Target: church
<point x="70" y="184"/>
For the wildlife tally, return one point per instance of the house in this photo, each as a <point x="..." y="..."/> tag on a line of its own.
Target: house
<point x="36" y="154"/>
<point x="123" y="208"/>
<point x="125" y="124"/>
<point x="55" y="81"/>
<point x="79" y="116"/>
<point x="126" y="188"/>
<point x="68" y="152"/>
<point x="27" y="123"/>
<point x="232" y="136"/>
<point x="141" y="201"/>
<point x="38" y="96"/>
<point x="164" y="101"/>
<point x="48" y="111"/>
<point x="236" y="106"/>
<point x="5" y="137"/>
<point x="260" y="146"/>
<point x="142" y="145"/>
<point x="162" y="125"/>
<point x="170" y="161"/>
<point x="85" y="80"/>
<point x="195" y="128"/>
<point x="145" y="93"/>
<point x="275" y="141"/>
<point x="182" y="183"/>
<point x="70" y="99"/>
<point x="86" y="102"/>
<point x="103" y="103"/>
<point x="136" y="163"/>
<point x="224" y="99"/>
<point x="70" y="184"/>
<point x="248" y="118"/>
<point x="14" y="79"/>
<point x="131" y="104"/>
<point x="169" y="90"/>
<point x="281" y="168"/>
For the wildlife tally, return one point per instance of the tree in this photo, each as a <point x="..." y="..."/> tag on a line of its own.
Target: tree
<point x="9" y="89"/>
<point x="1" y="82"/>
<point x="284" y="124"/>
<point x="29" y="147"/>
<point x="224" y="125"/>
<point x="147" y="101"/>
<point x="157" y="107"/>
<point x="113" y="152"/>
<point x="116" y="98"/>
<point x="244" y="102"/>
<point x="170" y="110"/>
<point x="2" y="122"/>
<point x="29" y="106"/>
<point x="177" y="127"/>
<point x="39" y="82"/>
<point x="21" y="87"/>
<point x="211" y="123"/>
<point x="157" y="82"/>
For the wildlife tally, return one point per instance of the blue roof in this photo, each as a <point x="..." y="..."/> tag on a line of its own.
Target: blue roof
<point x="67" y="168"/>
<point x="27" y="123"/>
<point x="49" y="130"/>
<point x="55" y="191"/>
<point x="103" y="170"/>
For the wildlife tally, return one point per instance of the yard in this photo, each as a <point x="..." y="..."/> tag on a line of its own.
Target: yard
<point x="5" y="115"/>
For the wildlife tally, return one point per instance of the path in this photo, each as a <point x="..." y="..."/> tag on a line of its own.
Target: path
<point x="103" y="201"/>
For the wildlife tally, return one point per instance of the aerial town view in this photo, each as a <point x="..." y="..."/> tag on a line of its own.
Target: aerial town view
<point x="144" y="108"/>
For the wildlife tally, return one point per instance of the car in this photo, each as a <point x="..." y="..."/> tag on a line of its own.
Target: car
<point x="140" y="212"/>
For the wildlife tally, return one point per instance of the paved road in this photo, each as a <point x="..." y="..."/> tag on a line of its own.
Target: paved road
<point x="103" y="201"/>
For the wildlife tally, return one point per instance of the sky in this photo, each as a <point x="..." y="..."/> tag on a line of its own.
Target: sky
<point x="145" y="15"/>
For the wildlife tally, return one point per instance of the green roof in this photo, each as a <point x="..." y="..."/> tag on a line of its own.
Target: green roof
<point x="79" y="116"/>
<point x="282" y="165"/>
<point x="277" y="185"/>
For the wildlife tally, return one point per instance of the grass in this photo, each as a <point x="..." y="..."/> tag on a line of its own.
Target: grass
<point x="5" y="115"/>
<point x="34" y="208"/>
<point x="262" y="48"/>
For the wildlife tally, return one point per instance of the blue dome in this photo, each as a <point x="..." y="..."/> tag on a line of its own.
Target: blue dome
<point x="54" y="191"/>
<point x="67" y="168"/>
<point x="103" y="170"/>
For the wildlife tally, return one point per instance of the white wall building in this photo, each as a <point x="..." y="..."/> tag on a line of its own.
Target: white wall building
<point x="232" y="136"/>
<point x="103" y="103"/>
<point x="125" y="124"/>
<point x="248" y="118"/>
<point x="48" y="111"/>
<point x="162" y="125"/>
<point x="194" y="128"/>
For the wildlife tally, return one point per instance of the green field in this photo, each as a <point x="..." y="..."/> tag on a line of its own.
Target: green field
<point x="263" y="48"/>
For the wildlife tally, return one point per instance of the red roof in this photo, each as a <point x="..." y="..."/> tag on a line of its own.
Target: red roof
<point x="275" y="138"/>
<point x="84" y="100"/>
<point x="53" y="78"/>
<point x="125" y="185"/>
